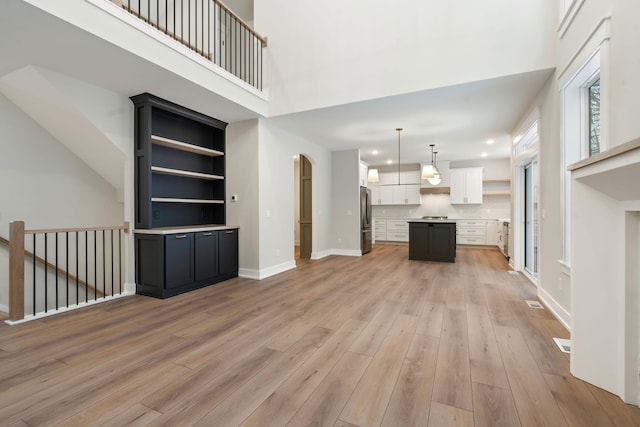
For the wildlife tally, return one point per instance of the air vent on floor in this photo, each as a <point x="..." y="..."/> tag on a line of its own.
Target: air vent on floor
<point x="534" y="304"/>
<point x="513" y="273"/>
<point x="563" y="344"/>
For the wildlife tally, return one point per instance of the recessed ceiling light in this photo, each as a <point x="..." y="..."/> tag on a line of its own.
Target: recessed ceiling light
<point x="374" y="152"/>
<point x="490" y="141"/>
<point x="484" y="154"/>
<point x="389" y="161"/>
<point x="295" y="156"/>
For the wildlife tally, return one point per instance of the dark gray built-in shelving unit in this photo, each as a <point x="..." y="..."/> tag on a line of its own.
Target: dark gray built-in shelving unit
<point x="182" y="240"/>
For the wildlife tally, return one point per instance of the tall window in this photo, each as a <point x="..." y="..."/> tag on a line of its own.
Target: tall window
<point x="594" y="117"/>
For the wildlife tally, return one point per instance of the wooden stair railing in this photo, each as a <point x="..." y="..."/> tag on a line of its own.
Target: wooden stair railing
<point x="17" y="252"/>
<point x="52" y="267"/>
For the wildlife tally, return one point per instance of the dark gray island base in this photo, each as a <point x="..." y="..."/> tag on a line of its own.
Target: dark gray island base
<point x="432" y="240"/>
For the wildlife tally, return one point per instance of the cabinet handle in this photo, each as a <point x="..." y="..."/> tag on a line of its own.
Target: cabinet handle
<point x="181" y="236"/>
<point x="207" y="234"/>
<point x="229" y="232"/>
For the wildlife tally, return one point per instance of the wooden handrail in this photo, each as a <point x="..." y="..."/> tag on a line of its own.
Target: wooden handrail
<point x="263" y="40"/>
<point x="124" y="227"/>
<point x="51" y="266"/>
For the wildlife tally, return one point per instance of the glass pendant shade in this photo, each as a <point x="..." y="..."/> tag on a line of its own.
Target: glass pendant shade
<point x="372" y="176"/>
<point x="427" y="171"/>
<point x="437" y="179"/>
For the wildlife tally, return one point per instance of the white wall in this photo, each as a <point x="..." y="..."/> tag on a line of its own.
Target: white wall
<point x="346" y="202"/>
<point x="334" y="52"/>
<point x="594" y="305"/>
<point x="45" y="185"/>
<point x="242" y="179"/>
<point x="275" y="208"/>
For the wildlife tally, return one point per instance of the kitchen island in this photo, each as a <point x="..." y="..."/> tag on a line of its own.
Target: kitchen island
<point x="432" y="240"/>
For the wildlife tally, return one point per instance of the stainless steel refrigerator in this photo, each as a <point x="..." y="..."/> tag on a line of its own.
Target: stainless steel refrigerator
<point x="365" y="220"/>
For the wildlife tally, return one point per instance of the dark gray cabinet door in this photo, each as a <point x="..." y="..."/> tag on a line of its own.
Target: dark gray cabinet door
<point x="228" y="252"/>
<point x="178" y="260"/>
<point x="206" y="255"/>
<point x="442" y="244"/>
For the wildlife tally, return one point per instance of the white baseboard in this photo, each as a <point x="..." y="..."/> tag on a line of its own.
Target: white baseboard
<point x="321" y="254"/>
<point x="346" y="252"/>
<point x="129" y="289"/>
<point x="248" y="273"/>
<point x="556" y="309"/>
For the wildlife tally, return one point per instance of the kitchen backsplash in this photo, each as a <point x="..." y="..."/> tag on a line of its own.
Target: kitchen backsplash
<point x="438" y="205"/>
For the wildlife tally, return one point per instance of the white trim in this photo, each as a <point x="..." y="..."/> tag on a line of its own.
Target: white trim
<point x="556" y="309"/>
<point x="600" y="34"/>
<point x="568" y="16"/>
<point x="321" y="254"/>
<point x="69" y="308"/>
<point x="346" y="252"/>
<point x="118" y="12"/>
<point x="266" y="272"/>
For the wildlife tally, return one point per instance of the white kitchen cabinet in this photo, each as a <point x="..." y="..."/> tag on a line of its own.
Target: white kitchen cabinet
<point x="379" y="229"/>
<point x="397" y="230"/>
<point x="388" y="192"/>
<point x="471" y="232"/>
<point x="364" y="171"/>
<point x="466" y="185"/>
<point x="491" y="236"/>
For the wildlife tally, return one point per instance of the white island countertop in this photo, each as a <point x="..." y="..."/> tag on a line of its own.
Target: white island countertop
<point x="185" y="229"/>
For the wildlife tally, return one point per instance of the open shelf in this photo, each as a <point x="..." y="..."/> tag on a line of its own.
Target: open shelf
<point x="177" y="200"/>
<point x="186" y="174"/>
<point x="179" y="145"/>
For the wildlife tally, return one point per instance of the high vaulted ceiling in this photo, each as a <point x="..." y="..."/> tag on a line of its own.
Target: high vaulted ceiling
<point x="457" y="119"/>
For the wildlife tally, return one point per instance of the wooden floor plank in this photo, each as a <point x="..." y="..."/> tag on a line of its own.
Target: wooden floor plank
<point x="484" y="355"/>
<point x="619" y="412"/>
<point x="325" y="404"/>
<point x="444" y="415"/>
<point x="535" y="404"/>
<point x="452" y="384"/>
<point x="579" y="406"/>
<point x="283" y="403"/>
<point x="409" y="404"/>
<point x="370" y="398"/>
<point x="493" y="407"/>
<point x="243" y="401"/>
<point x="430" y="322"/>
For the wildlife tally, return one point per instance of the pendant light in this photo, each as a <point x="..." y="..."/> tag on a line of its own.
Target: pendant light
<point x="399" y="130"/>
<point x="372" y="176"/>
<point x="429" y="171"/>
<point x="437" y="179"/>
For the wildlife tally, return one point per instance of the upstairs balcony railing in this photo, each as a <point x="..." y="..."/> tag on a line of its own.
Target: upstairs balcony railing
<point x="209" y="28"/>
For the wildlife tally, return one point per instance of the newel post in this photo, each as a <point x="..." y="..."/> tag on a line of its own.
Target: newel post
<point x="16" y="270"/>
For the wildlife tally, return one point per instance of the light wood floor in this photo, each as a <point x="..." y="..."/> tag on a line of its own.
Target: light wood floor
<point x="376" y="340"/>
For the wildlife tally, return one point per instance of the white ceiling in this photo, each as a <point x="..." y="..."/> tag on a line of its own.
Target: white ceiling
<point x="457" y="119"/>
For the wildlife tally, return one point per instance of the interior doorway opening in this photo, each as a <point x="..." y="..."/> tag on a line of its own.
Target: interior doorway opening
<point x="303" y="221"/>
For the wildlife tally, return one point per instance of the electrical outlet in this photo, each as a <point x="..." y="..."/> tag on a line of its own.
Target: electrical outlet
<point x="234" y="197"/>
